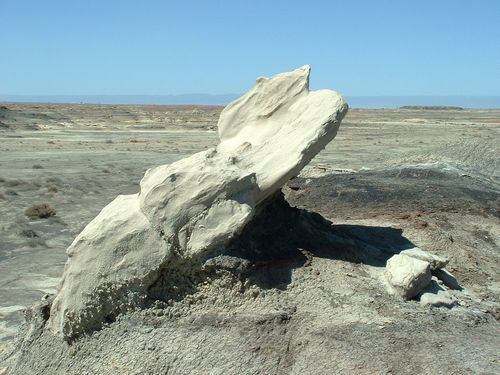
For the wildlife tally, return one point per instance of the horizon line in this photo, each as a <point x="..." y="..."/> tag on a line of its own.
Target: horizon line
<point x="231" y="94"/>
<point x="355" y="101"/>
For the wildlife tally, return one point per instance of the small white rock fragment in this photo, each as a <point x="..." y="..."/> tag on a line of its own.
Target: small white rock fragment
<point x="407" y="275"/>
<point x="436" y="295"/>
<point x="435" y="261"/>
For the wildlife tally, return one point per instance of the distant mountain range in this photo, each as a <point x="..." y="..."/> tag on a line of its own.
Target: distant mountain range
<point x="207" y="99"/>
<point x="202" y="99"/>
<point x="423" y="101"/>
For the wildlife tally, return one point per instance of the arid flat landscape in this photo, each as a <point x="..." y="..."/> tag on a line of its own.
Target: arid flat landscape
<point x="430" y="177"/>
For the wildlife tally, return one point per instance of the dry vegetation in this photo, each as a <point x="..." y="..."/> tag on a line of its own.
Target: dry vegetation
<point x="40" y="210"/>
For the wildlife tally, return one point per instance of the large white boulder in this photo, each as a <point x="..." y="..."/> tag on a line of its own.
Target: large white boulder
<point x="192" y="208"/>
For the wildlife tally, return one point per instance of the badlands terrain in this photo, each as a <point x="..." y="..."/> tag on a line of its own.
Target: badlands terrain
<point x="391" y="179"/>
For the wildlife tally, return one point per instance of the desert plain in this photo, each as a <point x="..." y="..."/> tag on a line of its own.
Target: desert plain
<point x="392" y="177"/>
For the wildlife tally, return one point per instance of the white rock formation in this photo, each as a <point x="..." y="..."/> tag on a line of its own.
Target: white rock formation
<point x="407" y="276"/>
<point x="191" y="208"/>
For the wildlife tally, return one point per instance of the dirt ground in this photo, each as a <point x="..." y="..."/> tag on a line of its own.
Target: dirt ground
<point x="391" y="179"/>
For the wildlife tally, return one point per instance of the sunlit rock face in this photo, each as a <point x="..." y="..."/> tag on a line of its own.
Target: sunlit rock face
<point x="190" y="210"/>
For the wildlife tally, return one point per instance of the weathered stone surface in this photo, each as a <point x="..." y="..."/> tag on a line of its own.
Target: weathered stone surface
<point x="278" y="127"/>
<point x="407" y="276"/>
<point x="110" y="263"/>
<point x="199" y="202"/>
<point x="435" y="261"/>
<point x="192" y="208"/>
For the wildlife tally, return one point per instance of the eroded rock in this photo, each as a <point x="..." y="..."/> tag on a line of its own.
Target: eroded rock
<point x="190" y="210"/>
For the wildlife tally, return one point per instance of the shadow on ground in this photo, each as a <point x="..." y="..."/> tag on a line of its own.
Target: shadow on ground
<point x="282" y="238"/>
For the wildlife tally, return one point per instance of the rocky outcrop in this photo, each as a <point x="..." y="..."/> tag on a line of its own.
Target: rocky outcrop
<point x="190" y="210"/>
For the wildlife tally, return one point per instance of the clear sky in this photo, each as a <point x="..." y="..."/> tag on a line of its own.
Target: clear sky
<point x="370" y="47"/>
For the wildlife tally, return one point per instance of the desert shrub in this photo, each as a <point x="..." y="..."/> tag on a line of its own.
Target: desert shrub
<point x="29" y="233"/>
<point x="2" y="196"/>
<point x="37" y="166"/>
<point x="41" y="210"/>
<point x="52" y="189"/>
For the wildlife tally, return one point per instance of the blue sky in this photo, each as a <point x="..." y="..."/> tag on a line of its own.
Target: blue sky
<point x="379" y="47"/>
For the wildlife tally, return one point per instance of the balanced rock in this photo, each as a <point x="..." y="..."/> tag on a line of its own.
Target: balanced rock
<point x="407" y="276"/>
<point x="188" y="211"/>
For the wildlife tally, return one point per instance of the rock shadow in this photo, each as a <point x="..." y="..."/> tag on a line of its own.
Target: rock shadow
<point x="281" y="238"/>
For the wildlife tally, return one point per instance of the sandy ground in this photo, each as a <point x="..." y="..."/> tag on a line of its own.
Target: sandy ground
<point x="433" y="175"/>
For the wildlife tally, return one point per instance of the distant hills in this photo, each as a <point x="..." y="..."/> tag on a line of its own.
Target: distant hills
<point x="202" y="99"/>
<point x="424" y="102"/>
<point x="207" y="99"/>
<point x="433" y="107"/>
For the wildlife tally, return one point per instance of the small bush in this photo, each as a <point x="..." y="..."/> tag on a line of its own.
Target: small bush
<point x="29" y="233"/>
<point x="37" y="166"/>
<point x="42" y="211"/>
